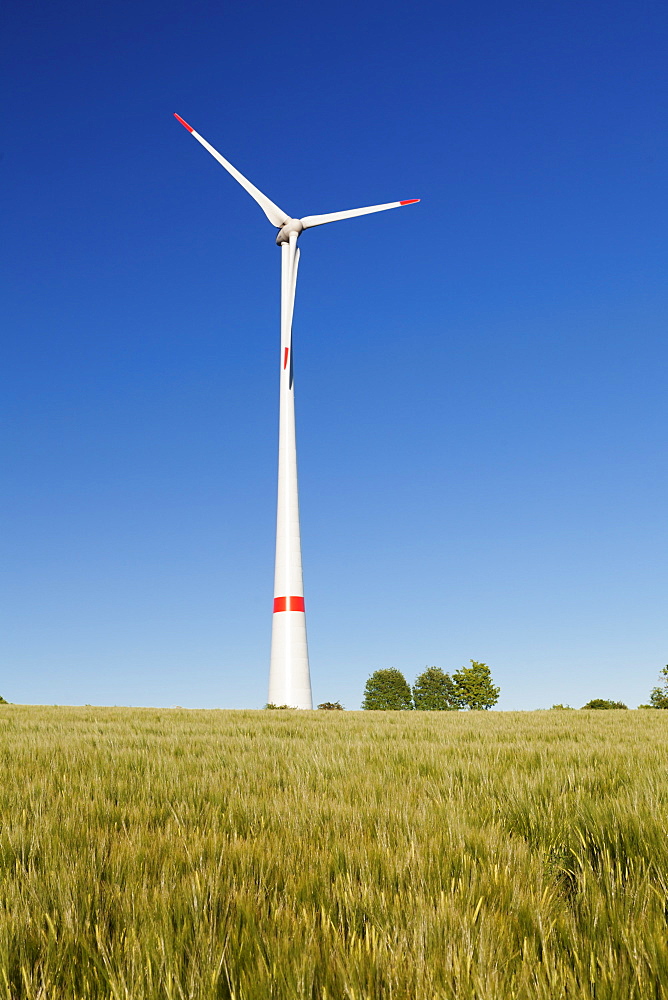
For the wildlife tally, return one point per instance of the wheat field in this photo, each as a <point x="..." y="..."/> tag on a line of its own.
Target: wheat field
<point x="325" y="855"/>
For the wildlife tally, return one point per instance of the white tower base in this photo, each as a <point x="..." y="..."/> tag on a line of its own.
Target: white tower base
<point x="289" y="676"/>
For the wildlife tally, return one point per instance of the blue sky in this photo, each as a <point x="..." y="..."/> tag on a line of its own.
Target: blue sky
<point x="480" y="378"/>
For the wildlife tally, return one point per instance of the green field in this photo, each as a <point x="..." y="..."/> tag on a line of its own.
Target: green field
<point x="172" y="854"/>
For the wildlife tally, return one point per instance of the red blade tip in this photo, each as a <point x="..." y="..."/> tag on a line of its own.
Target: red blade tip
<point x="185" y="124"/>
<point x="411" y="201"/>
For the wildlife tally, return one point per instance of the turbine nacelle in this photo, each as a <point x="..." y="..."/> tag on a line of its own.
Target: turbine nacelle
<point x="291" y="226"/>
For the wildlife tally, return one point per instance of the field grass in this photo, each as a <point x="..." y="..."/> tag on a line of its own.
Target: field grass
<point x="256" y="855"/>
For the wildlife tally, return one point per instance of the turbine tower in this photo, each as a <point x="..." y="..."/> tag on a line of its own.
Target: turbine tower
<point x="289" y="676"/>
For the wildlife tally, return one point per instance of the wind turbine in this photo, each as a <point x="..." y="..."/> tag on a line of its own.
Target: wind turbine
<point x="289" y="676"/>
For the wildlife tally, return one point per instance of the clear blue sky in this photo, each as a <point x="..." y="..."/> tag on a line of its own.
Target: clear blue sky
<point x="481" y="378"/>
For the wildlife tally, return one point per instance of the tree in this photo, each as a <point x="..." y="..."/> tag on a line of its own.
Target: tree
<point x="474" y="687"/>
<point x="331" y="706"/>
<point x="604" y="703"/>
<point x="434" y="691"/>
<point x="659" y="695"/>
<point x="387" y="690"/>
<point x="3" y="702"/>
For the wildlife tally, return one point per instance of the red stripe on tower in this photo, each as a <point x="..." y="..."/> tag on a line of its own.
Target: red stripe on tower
<point x="185" y="124"/>
<point x="288" y="604"/>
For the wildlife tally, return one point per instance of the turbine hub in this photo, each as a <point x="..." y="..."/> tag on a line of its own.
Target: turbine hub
<point x="291" y="226"/>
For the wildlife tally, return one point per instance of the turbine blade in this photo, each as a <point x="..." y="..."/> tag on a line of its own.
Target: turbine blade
<point x="276" y="216"/>
<point x="320" y="220"/>
<point x="291" y="307"/>
<point x="293" y="288"/>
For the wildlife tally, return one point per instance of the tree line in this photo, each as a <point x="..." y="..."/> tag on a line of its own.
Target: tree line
<point x="433" y="691"/>
<point x="658" y="697"/>
<point x="469" y="687"/>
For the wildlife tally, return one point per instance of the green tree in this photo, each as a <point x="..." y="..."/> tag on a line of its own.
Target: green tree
<point x="659" y="695"/>
<point x="331" y="706"/>
<point x="604" y="703"/>
<point x="474" y="687"/>
<point x="3" y="702"/>
<point x="387" y="690"/>
<point x="434" y="691"/>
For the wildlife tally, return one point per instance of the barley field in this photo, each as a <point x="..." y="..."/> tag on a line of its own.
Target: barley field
<point x="324" y="855"/>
